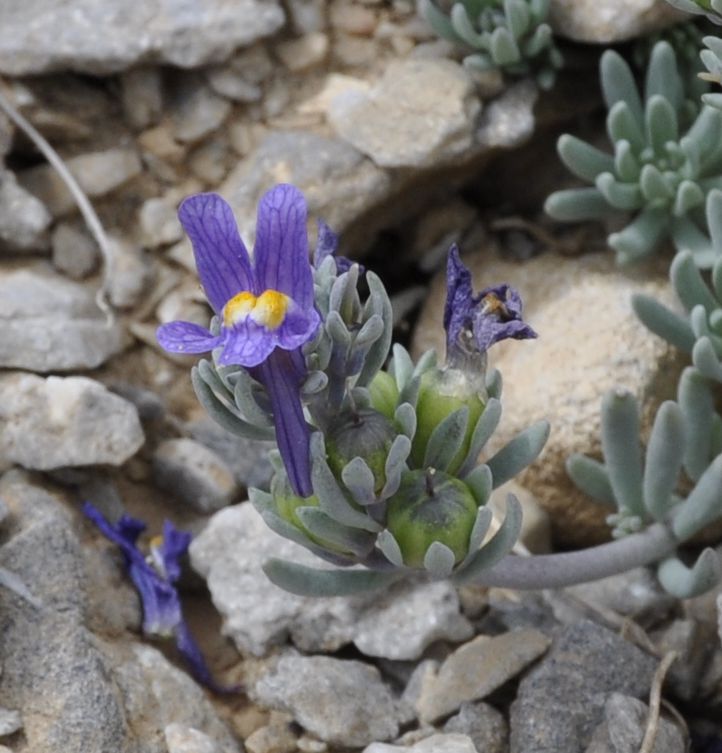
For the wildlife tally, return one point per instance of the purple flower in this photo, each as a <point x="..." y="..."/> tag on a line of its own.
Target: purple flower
<point x="154" y="577"/>
<point x="474" y="323"/>
<point x="326" y="245"/>
<point x="265" y="306"/>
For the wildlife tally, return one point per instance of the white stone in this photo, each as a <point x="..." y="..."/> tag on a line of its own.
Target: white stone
<point x="159" y="223"/>
<point x="97" y="173"/>
<point x="341" y="702"/>
<point x="604" y="21"/>
<point x="39" y="310"/>
<point x="451" y="743"/>
<point x="421" y="112"/>
<point x="182" y="739"/>
<point x="24" y="220"/>
<point x="399" y="624"/>
<point x="105" y="36"/>
<point x="64" y="421"/>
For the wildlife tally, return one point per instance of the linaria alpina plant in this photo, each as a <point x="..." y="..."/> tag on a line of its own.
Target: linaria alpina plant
<point x="662" y="170"/>
<point x="377" y="471"/>
<point x="508" y="35"/>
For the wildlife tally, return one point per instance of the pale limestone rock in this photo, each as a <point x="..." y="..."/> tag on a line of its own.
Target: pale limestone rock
<point x="64" y="421"/>
<point x="105" y="36"/>
<point x="98" y="174"/>
<point x="604" y="21"/>
<point x="396" y="624"/>
<point x="476" y="669"/>
<point x="339" y="701"/>
<point x="421" y="112"/>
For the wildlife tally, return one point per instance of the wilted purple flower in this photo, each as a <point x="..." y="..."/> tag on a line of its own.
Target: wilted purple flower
<point x="154" y="577"/>
<point x="474" y="323"/>
<point x="265" y="306"/>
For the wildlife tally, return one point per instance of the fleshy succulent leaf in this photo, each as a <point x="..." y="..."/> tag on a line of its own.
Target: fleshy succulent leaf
<point x="663" y="460"/>
<point x="439" y="560"/>
<point x="662" y="321"/>
<point x="518" y="453"/>
<point x="683" y="582"/>
<point x="308" y="581"/>
<point x="497" y="547"/>
<point x="576" y="204"/>
<point x="592" y="478"/>
<point x="622" y="452"/>
<point x="390" y="548"/>
<point x="480" y="482"/>
<point x="618" y="84"/>
<point x="584" y="160"/>
<point x="697" y="404"/>
<point x="484" y="428"/>
<point x="703" y="505"/>
<point x="446" y="440"/>
<point x="706" y="360"/>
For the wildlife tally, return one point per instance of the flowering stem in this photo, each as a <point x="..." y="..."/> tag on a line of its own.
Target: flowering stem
<point x="571" y="568"/>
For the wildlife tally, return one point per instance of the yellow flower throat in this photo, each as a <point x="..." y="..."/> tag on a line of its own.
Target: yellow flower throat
<point x="268" y="309"/>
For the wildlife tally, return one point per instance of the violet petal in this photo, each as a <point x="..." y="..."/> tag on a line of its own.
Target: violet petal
<point x="491" y="315"/>
<point x="191" y="653"/>
<point x="326" y="243"/>
<point x="175" y="545"/>
<point x="246" y="344"/>
<point x="186" y="337"/>
<point x="222" y="260"/>
<point x="280" y="253"/>
<point x="297" y="328"/>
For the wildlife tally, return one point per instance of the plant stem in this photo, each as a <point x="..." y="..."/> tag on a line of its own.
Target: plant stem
<point x="572" y="568"/>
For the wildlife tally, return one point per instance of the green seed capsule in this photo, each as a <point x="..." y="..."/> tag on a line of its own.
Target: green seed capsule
<point x="431" y="507"/>
<point x="367" y="434"/>
<point x="442" y="392"/>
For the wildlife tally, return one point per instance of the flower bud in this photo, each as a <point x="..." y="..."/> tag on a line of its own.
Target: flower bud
<point x="442" y="392"/>
<point x="428" y="507"/>
<point x="365" y="433"/>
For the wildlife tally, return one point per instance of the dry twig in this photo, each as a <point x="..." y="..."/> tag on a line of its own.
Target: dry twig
<point x="84" y="205"/>
<point x="655" y="701"/>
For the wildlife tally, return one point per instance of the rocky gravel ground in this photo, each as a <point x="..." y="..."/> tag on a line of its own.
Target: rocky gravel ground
<point x="402" y="151"/>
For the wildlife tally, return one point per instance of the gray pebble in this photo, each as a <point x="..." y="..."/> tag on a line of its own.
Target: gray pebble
<point x="341" y="702"/>
<point x="194" y="474"/>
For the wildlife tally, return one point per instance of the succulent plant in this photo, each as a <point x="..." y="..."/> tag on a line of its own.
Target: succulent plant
<point x="508" y="35"/>
<point x="657" y="171"/>
<point x="700" y="331"/>
<point x="710" y="8"/>
<point x="642" y="491"/>
<point x="712" y="59"/>
<point x="686" y="39"/>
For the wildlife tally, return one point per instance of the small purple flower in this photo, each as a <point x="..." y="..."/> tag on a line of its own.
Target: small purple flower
<point x="326" y="245"/>
<point x="265" y="306"/>
<point x="154" y="577"/>
<point x="474" y="323"/>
